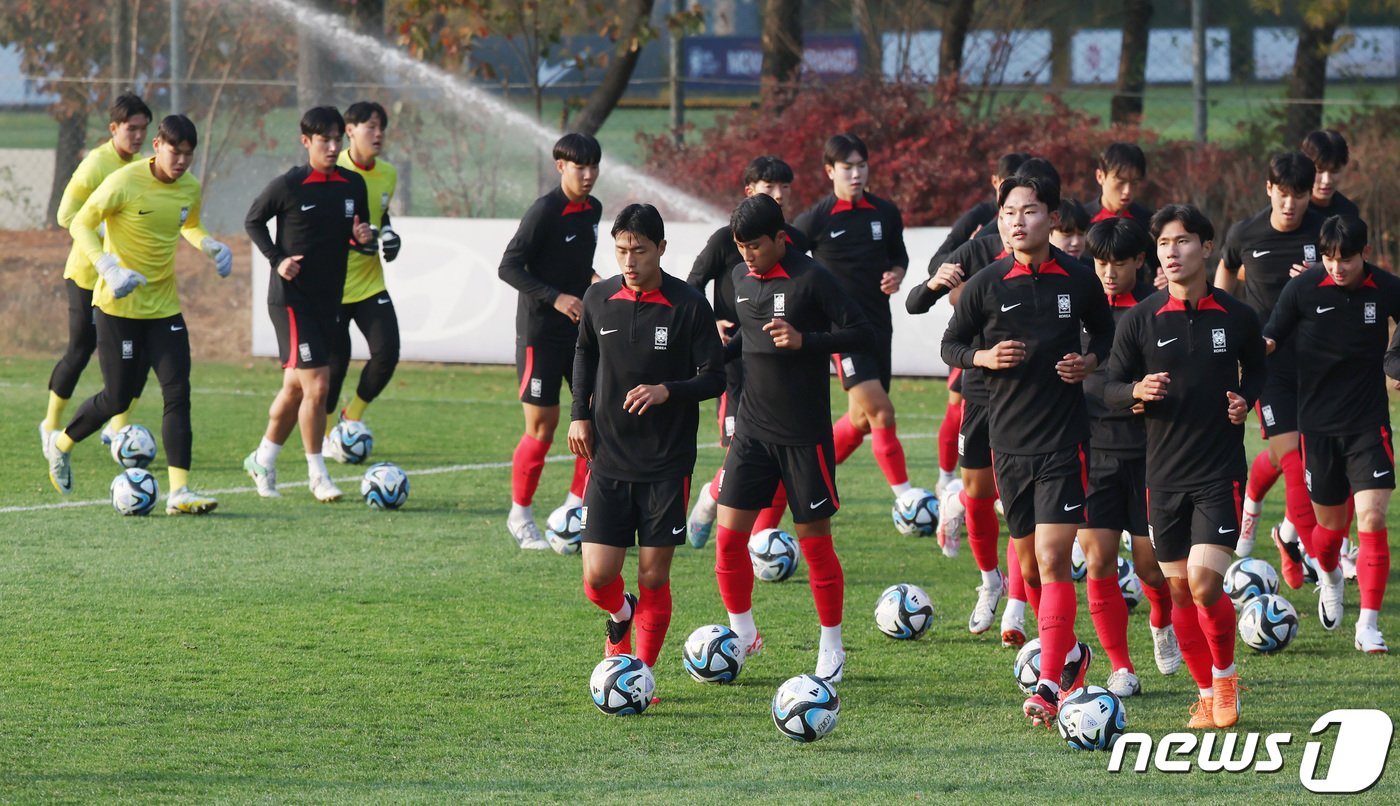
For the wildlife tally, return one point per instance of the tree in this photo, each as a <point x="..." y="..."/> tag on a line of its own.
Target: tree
<point x="1126" y="106"/>
<point x="635" y="29"/>
<point x="956" y="22"/>
<point x="872" y="52"/>
<point x="782" y="50"/>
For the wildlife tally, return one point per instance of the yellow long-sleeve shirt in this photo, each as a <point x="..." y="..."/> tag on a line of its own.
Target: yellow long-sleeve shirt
<point x="364" y="274"/>
<point x="99" y="163"/>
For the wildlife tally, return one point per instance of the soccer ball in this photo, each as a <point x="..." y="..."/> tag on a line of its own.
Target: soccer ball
<point x="774" y="555"/>
<point x="1247" y="578"/>
<point x="353" y="440"/>
<point x="135" y="491"/>
<point x="1129" y="583"/>
<point x="1026" y="667"/>
<point x="564" y="529"/>
<point x="805" y="708"/>
<point x="134" y="446"/>
<point x="621" y="685"/>
<point x="903" y="611"/>
<point x="1078" y="563"/>
<point x="1093" y="718"/>
<point x="1268" y="623"/>
<point x="915" y="512"/>
<point x="385" y="486"/>
<point x="713" y="655"/>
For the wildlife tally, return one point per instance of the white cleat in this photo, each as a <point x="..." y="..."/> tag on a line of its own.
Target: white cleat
<point x="951" y="514"/>
<point x="108" y="434"/>
<point x="1329" y="599"/>
<point x="1013" y="624"/>
<point x="985" y="612"/>
<point x="264" y="478"/>
<point x="527" y="535"/>
<point x="1348" y="559"/>
<point x="831" y="664"/>
<point x="331" y="448"/>
<point x="1249" y="524"/>
<point x="1165" y="650"/>
<point x="325" y="490"/>
<point x="1369" y="639"/>
<point x="44" y="437"/>
<point x="60" y="466"/>
<point x="185" y="501"/>
<point x="1124" y="683"/>
<point x="754" y="647"/>
<point x="702" y="518"/>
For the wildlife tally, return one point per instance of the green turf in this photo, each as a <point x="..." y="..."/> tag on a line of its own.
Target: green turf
<point x="287" y="651"/>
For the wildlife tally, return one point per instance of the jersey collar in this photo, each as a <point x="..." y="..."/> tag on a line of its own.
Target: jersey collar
<point x="1122" y="300"/>
<point x="576" y="207"/>
<point x="777" y="272"/>
<point x="628" y="295"/>
<point x="316" y="177"/>
<point x="1022" y="270"/>
<point x="1369" y="282"/>
<point x="1207" y="303"/>
<point x="842" y="205"/>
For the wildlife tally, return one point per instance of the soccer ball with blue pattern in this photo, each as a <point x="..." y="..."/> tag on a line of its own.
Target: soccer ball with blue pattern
<point x="713" y="654"/>
<point x="1026" y="667"/>
<point x="915" y="512"/>
<point x="1129" y="583"/>
<point x="135" y="492"/>
<point x="134" y="446"/>
<point x="385" y="486"/>
<point x="1247" y="578"/>
<point x="774" y="555"/>
<point x="805" y="708"/>
<point x="903" y="611"/>
<point x="621" y="685"/>
<point x="1268" y="623"/>
<point x="353" y="440"/>
<point x="564" y="530"/>
<point x="1078" y="562"/>
<point x="1092" y="718"/>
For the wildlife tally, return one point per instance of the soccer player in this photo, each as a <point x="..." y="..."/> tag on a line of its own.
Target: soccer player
<point x="860" y="238"/>
<point x="1194" y="357"/>
<point x="550" y="262"/>
<point x="648" y="353"/>
<point x="146" y="208"/>
<point x="1272" y="246"/>
<point x="1069" y="233"/>
<point x="716" y="263"/>
<point x="366" y="300"/>
<point x="1029" y="308"/>
<point x="1338" y="315"/>
<point x="130" y="118"/>
<point x="1116" y="498"/>
<point x="320" y="209"/>
<point x="792" y="315"/>
<point x="1121" y="173"/>
<point x="1328" y="150"/>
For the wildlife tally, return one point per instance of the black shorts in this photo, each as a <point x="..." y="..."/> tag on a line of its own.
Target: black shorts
<point x="752" y="470"/>
<point x="1208" y="516"/>
<point x="1278" y="401"/>
<point x="1338" y="466"/>
<point x="955" y="380"/>
<point x="541" y="369"/>
<point x="305" y="335"/>
<point x="974" y="437"/>
<point x="728" y="405"/>
<point x="641" y="513"/>
<point x="1041" y="488"/>
<point x="1117" y="497"/>
<point x="872" y="365"/>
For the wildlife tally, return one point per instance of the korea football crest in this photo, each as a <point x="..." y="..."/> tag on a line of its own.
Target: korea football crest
<point x="349" y="208"/>
<point x="779" y="304"/>
<point x="1063" y="306"/>
<point x="877" y="231"/>
<point x="1217" y="339"/>
<point x="1310" y="253"/>
<point x="662" y="334"/>
<point x="184" y="215"/>
<point x="1369" y="312"/>
<point x="384" y="200"/>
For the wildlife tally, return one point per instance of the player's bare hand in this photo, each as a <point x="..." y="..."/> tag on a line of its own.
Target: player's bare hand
<point x="581" y="439"/>
<point x="1138" y="408"/>
<point x="723" y="326"/>
<point x="644" y="396"/>
<point x="785" y="336"/>
<point x="1297" y="269"/>
<point x="949" y="276"/>
<point x="290" y="267"/>
<point x="1269" y="346"/>
<point x="891" y="280"/>
<point x="569" y="305"/>
<point x="1236" y="409"/>
<point x="1152" y="387"/>
<point x="1003" y="355"/>
<point x="364" y="233"/>
<point x="1159" y="281"/>
<point x="1073" y="368"/>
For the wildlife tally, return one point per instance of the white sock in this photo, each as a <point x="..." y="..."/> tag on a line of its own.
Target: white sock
<point x="1074" y="654"/>
<point x="1287" y="532"/>
<point x="1330" y="578"/>
<point x="991" y="578"/>
<point x="1206" y="692"/>
<point x="742" y="623"/>
<point x="520" y="514"/>
<point x="1015" y="609"/>
<point x="831" y="638"/>
<point x="623" y="614"/>
<point x="1367" y="619"/>
<point x="267" y="453"/>
<point x="901" y="489"/>
<point x="316" y="465"/>
<point x="1227" y="672"/>
<point x="946" y="477"/>
<point x="1050" y="684"/>
<point x="1253" y="507"/>
<point x="572" y="500"/>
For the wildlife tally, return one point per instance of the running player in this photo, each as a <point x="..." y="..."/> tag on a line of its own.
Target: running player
<point x="1339" y="316"/>
<point x="1122" y="172"/>
<point x="129" y="119"/>
<point x="1194" y="357"/>
<point x="146" y="208"/>
<point x="974" y="222"/>
<point x="550" y="262"/>
<point x="1272" y="246"/>
<point x="792" y="315"/>
<point x="320" y="209"/>
<point x="1069" y="233"/>
<point x="860" y="237"/>
<point x="366" y="301"/>
<point x="1328" y="150"/>
<point x="1029" y="307"/>
<point x="648" y="353"/>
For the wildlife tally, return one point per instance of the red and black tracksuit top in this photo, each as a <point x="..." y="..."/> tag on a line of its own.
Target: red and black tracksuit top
<point x="1114" y="430"/>
<point x="859" y="241"/>
<point x="551" y="254"/>
<point x="716" y="263"/>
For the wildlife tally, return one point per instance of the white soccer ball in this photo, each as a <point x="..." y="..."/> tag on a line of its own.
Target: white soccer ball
<point x="805" y="708"/>
<point x="385" y="486"/>
<point x="621" y="685"/>
<point x="135" y="492"/>
<point x="1092" y="718"/>
<point x="1026" y="667"/>
<point x="712" y="654"/>
<point x="564" y="529"/>
<point x="1078" y="562"/>
<point x="1268" y="623"/>
<point x="915" y="512"/>
<point x="354" y="440"/>
<point x="1129" y="583"/>
<point x="1249" y="577"/>
<point x="134" y="446"/>
<point x="774" y="554"/>
<point x="903" y="611"/>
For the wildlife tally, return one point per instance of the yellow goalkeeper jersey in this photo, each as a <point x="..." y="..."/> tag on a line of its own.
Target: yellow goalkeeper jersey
<point x="95" y="167"/>
<point x="364" y="274"/>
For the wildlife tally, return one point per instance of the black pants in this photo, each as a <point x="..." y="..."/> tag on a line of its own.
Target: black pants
<point x="125" y="349"/>
<point x="380" y="325"/>
<point x="82" y="340"/>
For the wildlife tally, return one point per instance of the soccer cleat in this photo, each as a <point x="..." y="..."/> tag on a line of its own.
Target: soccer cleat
<point x="1348" y="559"/>
<point x="702" y="518"/>
<point x="264" y="478"/>
<point x="619" y="640"/>
<point x="988" y="597"/>
<point x="1249" y="525"/>
<point x="1001" y="511"/>
<point x="1165" y="650"/>
<point x="951" y="514"/>
<point x="527" y="535"/>
<point x="1072" y="677"/>
<point x="1226" y="706"/>
<point x="1042" y="707"/>
<point x="44" y="437"/>
<point x="1013" y="625"/>
<point x="1202" y="714"/>
<point x="1369" y="639"/>
<point x="60" y="467"/>
<point x="1290" y="560"/>
<point x="1124" y="683"/>
<point x="831" y="664"/>
<point x="1329" y="599"/>
<point x="325" y="490"/>
<point x="185" y="501"/>
<point x="331" y="448"/>
<point x="108" y="434"/>
<point x="755" y="646"/>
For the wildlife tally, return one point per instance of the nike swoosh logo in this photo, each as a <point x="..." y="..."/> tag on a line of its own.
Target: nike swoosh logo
<point x="176" y="328"/>
<point x="741" y="299"/>
<point x="144" y="212"/>
<point x="1257" y="253"/>
<point x="1321" y="309"/>
<point x="677" y="531"/>
<point x="605" y="332"/>
<point x="568" y="238"/>
<point x="306" y="207"/>
<point x="1006" y="308"/>
<point x="1161" y="343"/>
<point x="837" y="233"/>
<point x="1069" y="508"/>
<point x="1375" y="474"/>
<point x="1222" y="530"/>
<point x="382" y="301"/>
<point x="824" y="500"/>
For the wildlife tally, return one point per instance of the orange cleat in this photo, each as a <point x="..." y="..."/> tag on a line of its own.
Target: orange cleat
<point x="1227" y="701"/>
<point x="1202" y="714"/>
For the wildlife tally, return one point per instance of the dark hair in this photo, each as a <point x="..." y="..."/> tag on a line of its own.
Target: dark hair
<point x="322" y="120"/>
<point x="1073" y="217"/>
<point x="1343" y="236"/>
<point x="755" y="217"/>
<point x="1327" y="148"/>
<point x="840" y="146"/>
<point x="178" y="130"/>
<point x="642" y="220"/>
<point x="1046" y="189"/>
<point x="767" y="169"/>
<point x="1293" y="171"/>
<point x="1190" y="217"/>
<point x="1117" y="156"/>
<point x="1040" y="168"/>
<point x="129" y="106"/>
<point x="361" y="111"/>
<point x="1117" y="238"/>
<point x="580" y="149"/>
<point x="1011" y="163"/>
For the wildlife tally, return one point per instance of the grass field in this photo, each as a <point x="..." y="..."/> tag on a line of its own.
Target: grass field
<point x="284" y="651"/>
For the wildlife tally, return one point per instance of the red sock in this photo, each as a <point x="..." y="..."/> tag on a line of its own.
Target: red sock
<point x="609" y="597"/>
<point x="1056" y="623"/>
<point x="1262" y="475"/>
<point x="525" y="467"/>
<point x="1218" y="624"/>
<point x="580" y="476"/>
<point x="1328" y="545"/>
<point x="1016" y="586"/>
<point x="983" y="530"/>
<point x="825" y="578"/>
<point x="846" y="438"/>
<point x="948" y="438"/>
<point x="1372" y="567"/>
<point x="714" y="485"/>
<point x="1296" y="501"/>
<point x="1161" y="600"/>
<point x="1033" y="594"/>
<point x="1110" y="615"/>
<point x="771" y="515"/>
<point x="733" y="570"/>
<point x="889" y="455"/>
<point x="653" y="619"/>
<point x="1193" y="644"/>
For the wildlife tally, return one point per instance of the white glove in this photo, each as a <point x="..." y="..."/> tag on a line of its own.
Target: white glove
<point x="389" y="240"/>
<point x="219" y="253"/>
<point x="120" y="279"/>
<point x="102" y="229"/>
